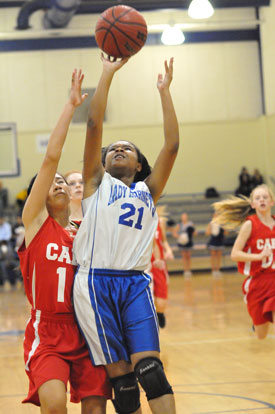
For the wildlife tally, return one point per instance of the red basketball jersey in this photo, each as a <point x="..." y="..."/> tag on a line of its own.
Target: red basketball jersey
<point x="261" y="236"/>
<point x="159" y="241"/>
<point x="47" y="270"/>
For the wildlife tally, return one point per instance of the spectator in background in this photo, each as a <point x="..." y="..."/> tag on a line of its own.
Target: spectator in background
<point x="5" y="252"/>
<point x="18" y="233"/>
<point x="256" y="179"/>
<point x="20" y="199"/>
<point x="215" y="245"/>
<point x="244" y="183"/>
<point x="3" y="197"/>
<point x="184" y="233"/>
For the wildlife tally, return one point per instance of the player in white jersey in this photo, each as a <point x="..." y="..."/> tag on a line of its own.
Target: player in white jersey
<point x="113" y="247"/>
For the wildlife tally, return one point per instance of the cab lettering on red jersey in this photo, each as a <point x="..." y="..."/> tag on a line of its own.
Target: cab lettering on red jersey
<point x="263" y="243"/>
<point x="53" y="253"/>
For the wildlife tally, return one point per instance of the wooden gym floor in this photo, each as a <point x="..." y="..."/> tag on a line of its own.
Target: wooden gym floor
<point x="211" y="356"/>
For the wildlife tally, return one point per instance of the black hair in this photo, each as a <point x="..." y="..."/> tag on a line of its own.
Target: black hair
<point x="31" y="185"/>
<point x="34" y="178"/>
<point x="145" y="167"/>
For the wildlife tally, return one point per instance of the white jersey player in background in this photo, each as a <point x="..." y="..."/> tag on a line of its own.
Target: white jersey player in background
<point x="113" y="247"/>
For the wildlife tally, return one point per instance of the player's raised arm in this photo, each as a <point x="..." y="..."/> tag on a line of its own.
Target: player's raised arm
<point x="35" y="212"/>
<point x="165" y="161"/>
<point x="93" y="169"/>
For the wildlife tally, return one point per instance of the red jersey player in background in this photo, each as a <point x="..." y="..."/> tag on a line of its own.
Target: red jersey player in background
<point x="160" y="277"/>
<point x="75" y="182"/>
<point x="254" y="251"/>
<point x="54" y="350"/>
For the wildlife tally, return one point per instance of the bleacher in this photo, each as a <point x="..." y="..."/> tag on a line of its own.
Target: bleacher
<point x="200" y="211"/>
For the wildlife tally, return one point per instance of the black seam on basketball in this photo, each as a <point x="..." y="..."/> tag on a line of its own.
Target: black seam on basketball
<point x="130" y="23"/>
<point x="114" y="38"/>
<point x="126" y="35"/>
<point x="117" y="20"/>
<point x="121" y="15"/>
<point x="134" y="23"/>
<point x="112" y="25"/>
<point x="105" y="37"/>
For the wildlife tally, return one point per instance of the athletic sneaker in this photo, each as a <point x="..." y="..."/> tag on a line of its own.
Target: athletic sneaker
<point x="161" y="319"/>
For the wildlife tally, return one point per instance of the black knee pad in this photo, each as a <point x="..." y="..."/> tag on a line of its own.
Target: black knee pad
<point x="126" y="392"/>
<point x="149" y="372"/>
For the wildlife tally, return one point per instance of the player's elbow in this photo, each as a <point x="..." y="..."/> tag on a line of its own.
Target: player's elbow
<point x="91" y="123"/>
<point x="234" y="256"/>
<point x="173" y="148"/>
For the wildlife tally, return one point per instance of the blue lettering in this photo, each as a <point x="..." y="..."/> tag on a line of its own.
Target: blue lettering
<point x="119" y="191"/>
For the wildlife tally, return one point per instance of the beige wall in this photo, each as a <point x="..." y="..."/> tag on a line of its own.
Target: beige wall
<point x="217" y="95"/>
<point x="211" y="154"/>
<point x="268" y="52"/>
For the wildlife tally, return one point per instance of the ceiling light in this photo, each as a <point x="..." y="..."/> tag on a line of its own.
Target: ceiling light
<point x="172" y="35"/>
<point x="200" y="9"/>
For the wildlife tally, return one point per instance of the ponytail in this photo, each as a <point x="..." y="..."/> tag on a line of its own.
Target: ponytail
<point x="233" y="211"/>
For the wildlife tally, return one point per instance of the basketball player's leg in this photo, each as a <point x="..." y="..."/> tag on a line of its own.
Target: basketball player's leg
<point x="213" y="260"/>
<point x="160" y="290"/>
<point x="94" y="405"/>
<point x="125" y="386"/>
<point x="143" y="342"/>
<point x="261" y="330"/>
<point x="186" y="258"/>
<point x="260" y="316"/>
<point x="218" y="259"/>
<point x="150" y="373"/>
<point x="53" y="398"/>
<point x="161" y="304"/>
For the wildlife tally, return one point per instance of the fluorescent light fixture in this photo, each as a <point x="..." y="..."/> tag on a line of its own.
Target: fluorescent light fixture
<point x="200" y="9"/>
<point x="172" y="35"/>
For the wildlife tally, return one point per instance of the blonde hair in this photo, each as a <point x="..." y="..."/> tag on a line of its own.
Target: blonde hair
<point x="71" y="172"/>
<point x="233" y="211"/>
<point x="162" y="210"/>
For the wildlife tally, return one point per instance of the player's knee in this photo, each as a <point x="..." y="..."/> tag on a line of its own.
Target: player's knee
<point x="126" y="390"/>
<point x="52" y="401"/>
<point x="55" y="406"/>
<point x="149" y="371"/>
<point x="93" y="404"/>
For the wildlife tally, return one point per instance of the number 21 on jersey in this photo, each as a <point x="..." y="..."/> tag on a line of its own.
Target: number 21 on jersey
<point x="135" y="214"/>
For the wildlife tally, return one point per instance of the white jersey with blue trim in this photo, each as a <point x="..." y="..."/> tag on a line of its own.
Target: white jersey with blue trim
<point x="118" y="227"/>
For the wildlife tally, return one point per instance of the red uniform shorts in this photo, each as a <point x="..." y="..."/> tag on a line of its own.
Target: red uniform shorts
<point x="260" y="297"/>
<point x="55" y="349"/>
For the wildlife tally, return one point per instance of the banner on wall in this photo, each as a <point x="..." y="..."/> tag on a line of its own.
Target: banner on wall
<point x="42" y="143"/>
<point x="9" y="161"/>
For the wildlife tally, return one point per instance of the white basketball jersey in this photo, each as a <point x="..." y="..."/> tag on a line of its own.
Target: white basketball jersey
<point x="118" y="227"/>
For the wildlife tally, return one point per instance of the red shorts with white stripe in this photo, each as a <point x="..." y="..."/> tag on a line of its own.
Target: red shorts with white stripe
<point x="160" y="282"/>
<point x="55" y="349"/>
<point x="259" y="292"/>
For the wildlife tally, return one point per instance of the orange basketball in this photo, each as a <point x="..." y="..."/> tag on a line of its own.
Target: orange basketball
<point x="121" y="31"/>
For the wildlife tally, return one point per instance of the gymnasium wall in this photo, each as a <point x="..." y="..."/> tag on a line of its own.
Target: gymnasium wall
<point x="217" y="95"/>
<point x="267" y="15"/>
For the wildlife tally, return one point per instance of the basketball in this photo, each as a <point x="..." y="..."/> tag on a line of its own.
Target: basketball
<point x="183" y="238"/>
<point x="121" y="31"/>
